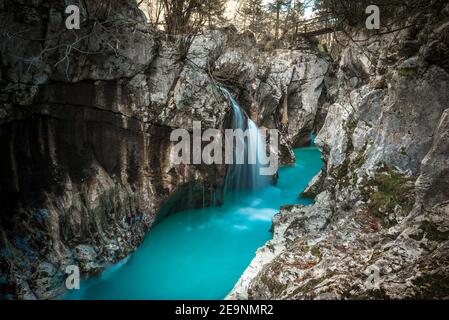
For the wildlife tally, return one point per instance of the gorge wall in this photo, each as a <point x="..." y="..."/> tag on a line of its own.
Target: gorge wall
<point x="85" y="121"/>
<point x="85" y="130"/>
<point x="380" y="224"/>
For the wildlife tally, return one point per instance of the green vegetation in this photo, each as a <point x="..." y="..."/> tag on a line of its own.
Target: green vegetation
<point x="391" y="189"/>
<point x="316" y="252"/>
<point x="350" y="166"/>
<point x="360" y="159"/>
<point x="417" y="236"/>
<point x="408" y="72"/>
<point x="432" y="233"/>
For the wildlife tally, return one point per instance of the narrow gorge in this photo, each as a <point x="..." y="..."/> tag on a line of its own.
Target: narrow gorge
<point x="87" y="177"/>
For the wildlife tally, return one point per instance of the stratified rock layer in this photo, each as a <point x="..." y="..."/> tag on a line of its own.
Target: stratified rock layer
<point x="87" y="144"/>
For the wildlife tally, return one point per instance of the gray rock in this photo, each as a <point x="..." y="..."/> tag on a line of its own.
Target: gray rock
<point x="371" y="217"/>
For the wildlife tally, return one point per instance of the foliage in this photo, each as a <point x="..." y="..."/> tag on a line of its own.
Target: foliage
<point x="392" y="189"/>
<point x="286" y="16"/>
<point x="182" y="20"/>
<point x="254" y="16"/>
<point x="181" y="17"/>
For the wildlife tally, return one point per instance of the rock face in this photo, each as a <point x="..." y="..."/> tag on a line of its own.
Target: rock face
<point x="85" y="121"/>
<point x="86" y="163"/>
<point x="281" y="88"/>
<point x="380" y="224"/>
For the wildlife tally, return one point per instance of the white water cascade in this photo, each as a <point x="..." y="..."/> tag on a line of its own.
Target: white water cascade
<point x="246" y="176"/>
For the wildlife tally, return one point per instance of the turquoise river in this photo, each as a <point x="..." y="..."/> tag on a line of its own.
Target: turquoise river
<point x="200" y="254"/>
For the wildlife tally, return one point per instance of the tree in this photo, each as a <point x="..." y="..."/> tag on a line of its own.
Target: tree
<point x="154" y="10"/>
<point x="277" y="8"/>
<point x="182" y="20"/>
<point x="190" y="16"/>
<point x="214" y="12"/>
<point x="254" y="15"/>
<point x="294" y="17"/>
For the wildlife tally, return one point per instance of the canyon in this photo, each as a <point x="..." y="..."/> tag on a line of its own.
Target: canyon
<point x="86" y="169"/>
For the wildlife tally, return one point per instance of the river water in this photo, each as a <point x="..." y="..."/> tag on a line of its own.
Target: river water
<point x="200" y="254"/>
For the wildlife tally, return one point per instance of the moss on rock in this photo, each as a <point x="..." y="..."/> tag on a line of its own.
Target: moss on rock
<point x="391" y="189"/>
<point x="432" y="233"/>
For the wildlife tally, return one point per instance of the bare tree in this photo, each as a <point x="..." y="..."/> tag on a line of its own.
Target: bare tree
<point x="187" y="16"/>
<point x="154" y="10"/>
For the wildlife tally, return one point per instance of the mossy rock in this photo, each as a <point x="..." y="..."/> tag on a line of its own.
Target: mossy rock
<point x="268" y="278"/>
<point x="432" y="286"/>
<point x="409" y="72"/>
<point x="418" y="236"/>
<point x="432" y="233"/>
<point x="372" y="294"/>
<point x="392" y="189"/>
<point x="315" y="251"/>
<point x="305" y="289"/>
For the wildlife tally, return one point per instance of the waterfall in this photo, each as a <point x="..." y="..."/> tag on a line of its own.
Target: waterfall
<point x="245" y="176"/>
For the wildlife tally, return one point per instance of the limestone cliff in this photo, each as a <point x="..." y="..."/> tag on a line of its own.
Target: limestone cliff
<point x="85" y="121"/>
<point x="85" y="132"/>
<point x="380" y="224"/>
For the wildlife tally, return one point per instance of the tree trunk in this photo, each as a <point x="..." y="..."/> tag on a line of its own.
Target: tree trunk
<point x="278" y="14"/>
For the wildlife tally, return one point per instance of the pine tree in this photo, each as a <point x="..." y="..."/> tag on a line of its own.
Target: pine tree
<point x="254" y="16"/>
<point x="294" y="16"/>
<point x="190" y="16"/>
<point x="278" y="8"/>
